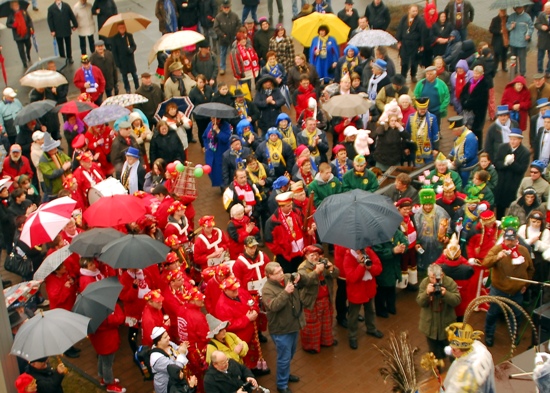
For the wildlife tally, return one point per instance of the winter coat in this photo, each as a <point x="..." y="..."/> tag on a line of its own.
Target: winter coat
<point x="28" y="22"/>
<point x="309" y="293"/>
<point x="188" y="15"/>
<point x="510" y="176"/>
<point x="322" y="189"/>
<point x="391" y="263"/>
<point x="293" y="77"/>
<point x="511" y="97"/>
<point x="207" y="11"/>
<point x="226" y="26"/>
<point x="361" y="289"/>
<point x="543" y="92"/>
<point x="133" y="305"/>
<point x="207" y="67"/>
<point x="155" y="96"/>
<point x="79" y="81"/>
<point x="214" y="156"/>
<point x="167" y="147"/>
<point x="284" y="50"/>
<point x="83" y="15"/>
<point x="493" y="138"/>
<point x="436" y="313"/>
<point x="48" y="380"/>
<point x="520" y="209"/>
<point x="106" y="64"/>
<point x="269" y="112"/>
<point x="123" y="52"/>
<point x="61" y="21"/>
<point x="439" y="31"/>
<point x="107" y="8"/>
<point x="288" y="156"/>
<point x="230" y="165"/>
<point x="503" y="268"/>
<point x="524" y="27"/>
<point x="495" y="28"/>
<point x="231" y="381"/>
<point x="477" y="101"/>
<point x="160" y="13"/>
<point x="106" y="339"/>
<point x="389" y="145"/>
<point x="444" y="96"/>
<point x="175" y="384"/>
<point x="261" y="42"/>
<point x="366" y="182"/>
<point x="467" y="13"/>
<point x="378" y="16"/>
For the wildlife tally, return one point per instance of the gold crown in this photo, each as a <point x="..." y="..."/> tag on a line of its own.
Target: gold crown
<point x="461" y="335"/>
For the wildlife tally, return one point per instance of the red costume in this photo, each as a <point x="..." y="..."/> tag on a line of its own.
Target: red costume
<point x="161" y="214"/>
<point x="150" y="319"/>
<point x="205" y="246"/>
<point x="302" y="207"/>
<point x="79" y="81"/>
<point x="174" y="302"/>
<point x="341" y="126"/>
<point x="61" y="291"/>
<point x="88" y="178"/>
<point x="302" y="96"/>
<point x="132" y="295"/>
<point x="251" y="272"/>
<point x="100" y="140"/>
<point x="358" y="289"/>
<point x="284" y="234"/>
<point x="106" y="339"/>
<point x="511" y="97"/>
<point x="213" y="278"/>
<point x="180" y="229"/>
<point x="237" y="233"/>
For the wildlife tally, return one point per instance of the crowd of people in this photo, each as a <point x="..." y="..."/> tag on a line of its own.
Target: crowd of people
<point x="203" y="310"/>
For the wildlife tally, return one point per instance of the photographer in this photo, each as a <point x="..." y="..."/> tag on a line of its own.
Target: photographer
<point x="227" y="375"/>
<point x="361" y="268"/>
<point x="284" y="317"/>
<point x="317" y="298"/>
<point x="437" y="297"/>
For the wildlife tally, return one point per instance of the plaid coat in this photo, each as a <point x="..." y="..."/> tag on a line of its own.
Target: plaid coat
<point x="284" y="50"/>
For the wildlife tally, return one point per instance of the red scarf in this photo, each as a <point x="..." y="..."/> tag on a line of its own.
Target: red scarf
<point x="20" y="24"/>
<point x="249" y="58"/>
<point x="307" y="178"/>
<point x="460" y="83"/>
<point x="515" y="251"/>
<point x="245" y="193"/>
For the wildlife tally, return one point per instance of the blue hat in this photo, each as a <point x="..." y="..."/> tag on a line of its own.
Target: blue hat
<point x="380" y="64"/>
<point x="132" y="152"/>
<point x="502" y="110"/>
<point x="538" y="164"/>
<point x="273" y="130"/>
<point x="517" y="133"/>
<point x="542" y="102"/>
<point x="546" y="114"/>
<point x="280" y="182"/>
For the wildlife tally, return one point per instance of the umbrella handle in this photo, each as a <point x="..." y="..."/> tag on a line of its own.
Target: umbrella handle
<point x="66" y="371"/>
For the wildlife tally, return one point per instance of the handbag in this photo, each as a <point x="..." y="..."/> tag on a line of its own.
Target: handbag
<point x="18" y="263"/>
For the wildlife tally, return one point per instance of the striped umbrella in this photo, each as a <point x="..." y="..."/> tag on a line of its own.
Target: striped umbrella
<point x="41" y="79"/>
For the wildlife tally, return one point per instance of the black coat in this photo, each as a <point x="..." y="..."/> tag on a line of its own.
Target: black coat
<point x="219" y="382"/>
<point x="288" y="156"/>
<point x="207" y="12"/>
<point x="229" y="165"/>
<point x="493" y="139"/>
<point x="439" y="31"/>
<point x="106" y="64"/>
<point x="268" y="112"/>
<point x="167" y="147"/>
<point x="28" y="22"/>
<point x="107" y="8"/>
<point x="188" y="16"/>
<point x="378" y="16"/>
<point x="410" y="37"/>
<point x="495" y="28"/>
<point x="155" y="95"/>
<point x="61" y="22"/>
<point x="47" y="380"/>
<point x="510" y="177"/>
<point x="123" y="51"/>
<point x="476" y="102"/>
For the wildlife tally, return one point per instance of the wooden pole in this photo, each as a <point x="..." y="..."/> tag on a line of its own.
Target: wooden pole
<point x="9" y="370"/>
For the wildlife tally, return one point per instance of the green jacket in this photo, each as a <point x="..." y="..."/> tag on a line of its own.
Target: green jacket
<point x="391" y="263"/>
<point x="367" y="182"/>
<point x="485" y="194"/>
<point x="437" y="313"/>
<point x="53" y="181"/>
<point x="457" y="180"/>
<point x="308" y="294"/>
<point x="444" y="95"/>
<point x="324" y="189"/>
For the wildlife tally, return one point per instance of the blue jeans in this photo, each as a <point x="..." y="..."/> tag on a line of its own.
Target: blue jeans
<point x="250" y="9"/>
<point x="521" y="54"/>
<point x="494" y="310"/>
<point x="285" y="344"/>
<point x="540" y="61"/>
<point x="295" y="9"/>
<point x="223" y="56"/>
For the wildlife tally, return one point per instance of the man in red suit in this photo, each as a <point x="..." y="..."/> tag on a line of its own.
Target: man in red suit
<point x="177" y="223"/>
<point x="174" y="301"/>
<point x="87" y="175"/>
<point x="283" y="234"/>
<point x="152" y="316"/>
<point x="89" y="79"/>
<point x="16" y="164"/>
<point x="211" y="245"/>
<point x="213" y="277"/>
<point x="165" y="199"/>
<point x="99" y="140"/>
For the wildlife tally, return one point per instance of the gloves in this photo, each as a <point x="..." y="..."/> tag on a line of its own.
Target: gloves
<point x="509" y="159"/>
<point x="472" y="261"/>
<point x="458" y="228"/>
<point x="482" y="207"/>
<point x="439" y="189"/>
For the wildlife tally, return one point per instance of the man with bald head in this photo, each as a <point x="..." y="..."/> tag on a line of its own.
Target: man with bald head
<point x="226" y="375"/>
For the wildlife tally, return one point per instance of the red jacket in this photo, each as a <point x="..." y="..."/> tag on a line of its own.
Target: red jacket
<point x="161" y="214"/>
<point x="83" y="180"/>
<point x="341" y="126"/>
<point x="360" y="291"/>
<point x="280" y="241"/>
<point x="79" y="82"/>
<point x="479" y="244"/>
<point x="201" y="250"/>
<point x="173" y="305"/>
<point x="13" y="171"/>
<point x="302" y="98"/>
<point x="173" y="228"/>
<point x="511" y="97"/>
<point x="339" y="254"/>
<point x="133" y="306"/>
<point x="59" y="294"/>
<point x="236" y="232"/>
<point x="93" y="140"/>
<point x="150" y="319"/>
<point x="246" y="270"/>
<point x="193" y="323"/>
<point x="212" y="291"/>
<point x="106" y="339"/>
<point x="235" y="311"/>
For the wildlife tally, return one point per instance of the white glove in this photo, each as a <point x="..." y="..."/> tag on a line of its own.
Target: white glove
<point x="472" y="261"/>
<point x="416" y="209"/>
<point x="482" y="207"/>
<point x="509" y="159"/>
<point x="458" y="229"/>
<point x="518" y="261"/>
<point x="439" y="189"/>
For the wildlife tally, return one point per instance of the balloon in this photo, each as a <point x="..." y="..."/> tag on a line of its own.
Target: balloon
<point x="207" y="169"/>
<point x="171" y="167"/>
<point x="198" y="166"/>
<point x="180" y="167"/>
<point x="177" y="162"/>
<point x="198" y="172"/>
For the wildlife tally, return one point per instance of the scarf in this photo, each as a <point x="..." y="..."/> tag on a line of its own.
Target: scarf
<point x="57" y="161"/>
<point x="88" y="273"/>
<point x="274" y="71"/>
<point x="89" y="76"/>
<point x="275" y="153"/>
<point x="307" y="177"/>
<point x="245" y="193"/>
<point x="143" y="288"/>
<point x="421" y="138"/>
<point x="408" y="228"/>
<point x="238" y="159"/>
<point x="170" y="17"/>
<point x="473" y="84"/>
<point x="178" y="80"/>
<point x="310" y="141"/>
<point x="373" y="85"/>
<point x="459" y="147"/>
<point x="129" y="178"/>
<point x="349" y="65"/>
<point x="504" y="29"/>
<point x="291" y="225"/>
<point x="249" y="59"/>
<point x="341" y="168"/>
<point x="505" y="130"/>
<point x="460" y="83"/>
<point x="322" y="46"/>
<point x="19" y="24"/>
<point x="256" y="176"/>
<point x="514" y="250"/>
<point x="288" y="136"/>
<point x="242" y="109"/>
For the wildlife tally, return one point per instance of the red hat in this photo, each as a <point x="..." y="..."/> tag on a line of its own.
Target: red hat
<point x="146" y="221"/>
<point x="86" y="156"/>
<point x="230" y="284"/>
<point x="174" y="275"/>
<point x="221" y="272"/>
<point x="23" y="382"/>
<point x="338" y="148"/>
<point x="487" y="217"/>
<point x="299" y="150"/>
<point x="79" y="142"/>
<point x="194" y="294"/>
<point x="69" y="181"/>
<point x="172" y="240"/>
<point x="140" y="194"/>
<point x="314" y="248"/>
<point x="175" y="206"/>
<point x="207" y="221"/>
<point x="404" y="202"/>
<point x="171" y="257"/>
<point x="302" y="161"/>
<point x="154" y="296"/>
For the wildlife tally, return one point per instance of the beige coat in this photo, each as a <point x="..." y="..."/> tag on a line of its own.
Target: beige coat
<point x="83" y="14"/>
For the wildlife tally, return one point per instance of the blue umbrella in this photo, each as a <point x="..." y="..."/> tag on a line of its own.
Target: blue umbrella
<point x="55" y="48"/>
<point x="105" y="114"/>
<point x="35" y="44"/>
<point x="184" y="105"/>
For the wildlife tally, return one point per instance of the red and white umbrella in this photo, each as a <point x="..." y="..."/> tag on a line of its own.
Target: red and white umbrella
<point x="47" y="221"/>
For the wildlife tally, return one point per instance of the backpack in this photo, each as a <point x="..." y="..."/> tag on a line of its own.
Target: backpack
<point x="142" y="358"/>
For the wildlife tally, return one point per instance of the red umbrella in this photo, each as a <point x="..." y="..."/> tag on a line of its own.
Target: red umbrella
<point x="111" y="211"/>
<point x="75" y="107"/>
<point x="4" y="75"/>
<point x="44" y="224"/>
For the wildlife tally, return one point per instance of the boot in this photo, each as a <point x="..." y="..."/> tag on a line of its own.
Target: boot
<point x="404" y="281"/>
<point x="413" y="276"/>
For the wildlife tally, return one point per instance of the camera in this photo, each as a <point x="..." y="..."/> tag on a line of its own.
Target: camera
<point x="366" y="260"/>
<point x="324" y="261"/>
<point x="248" y="387"/>
<point x="293" y="277"/>
<point x="437" y="285"/>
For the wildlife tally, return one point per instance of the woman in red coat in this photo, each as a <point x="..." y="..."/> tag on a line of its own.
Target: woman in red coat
<point x="152" y="316"/>
<point x="106" y="341"/>
<point x="61" y="289"/>
<point x="213" y="277"/>
<point x="301" y="97"/>
<point x="177" y="223"/>
<point x="89" y="273"/>
<point x="516" y="95"/>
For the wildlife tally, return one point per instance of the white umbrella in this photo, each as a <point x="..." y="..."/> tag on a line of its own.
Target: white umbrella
<point x="125" y="100"/>
<point x="40" y="79"/>
<point x="173" y="41"/>
<point x="372" y="38"/>
<point x="52" y="262"/>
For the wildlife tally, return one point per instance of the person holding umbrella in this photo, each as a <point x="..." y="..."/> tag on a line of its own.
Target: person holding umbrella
<point x="22" y="28"/>
<point x="124" y="48"/>
<point x="216" y="142"/>
<point x="47" y="379"/>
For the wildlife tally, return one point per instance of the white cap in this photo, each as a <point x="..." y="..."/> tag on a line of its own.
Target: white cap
<point x="284" y="198"/>
<point x="350" y="130"/>
<point x="9" y="92"/>
<point x="157" y="332"/>
<point x="37" y="135"/>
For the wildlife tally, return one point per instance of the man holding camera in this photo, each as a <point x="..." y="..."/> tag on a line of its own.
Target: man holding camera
<point x="227" y="375"/>
<point x="361" y="268"/>
<point x="285" y="318"/>
<point x="317" y="297"/>
<point x="507" y="260"/>
<point x="437" y="297"/>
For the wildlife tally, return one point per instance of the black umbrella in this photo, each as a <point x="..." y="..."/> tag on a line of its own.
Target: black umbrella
<point x="33" y="111"/>
<point x="357" y="219"/>
<point x="5" y="7"/>
<point x="134" y="251"/>
<point x="98" y="301"/>
<point x="216" y="109"/>
<point x="89" y="244"/>
<point x="60" y="64"/>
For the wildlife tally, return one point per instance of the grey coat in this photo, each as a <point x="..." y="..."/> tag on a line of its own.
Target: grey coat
<point x="543" y="36"/>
